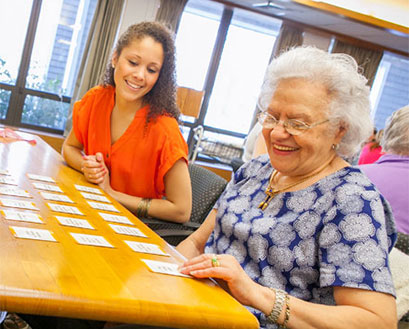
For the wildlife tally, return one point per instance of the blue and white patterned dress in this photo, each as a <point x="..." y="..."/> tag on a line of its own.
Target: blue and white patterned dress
<point x="337" y="232"/>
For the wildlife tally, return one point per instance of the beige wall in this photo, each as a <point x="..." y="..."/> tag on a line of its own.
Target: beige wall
<point x="317" y="39"/>
<point x="136" y="11"/>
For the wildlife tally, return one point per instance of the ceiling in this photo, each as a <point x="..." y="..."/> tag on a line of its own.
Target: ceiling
<point x="362" y="27"/>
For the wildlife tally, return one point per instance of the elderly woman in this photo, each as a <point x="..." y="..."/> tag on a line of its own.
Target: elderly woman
<point x="390" y="173"/>
<point x="299" y="236"/>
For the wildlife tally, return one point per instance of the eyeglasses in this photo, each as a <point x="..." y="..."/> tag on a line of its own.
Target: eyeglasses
<point x="293" y="127"/>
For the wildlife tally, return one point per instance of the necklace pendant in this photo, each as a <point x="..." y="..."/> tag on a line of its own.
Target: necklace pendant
<point x="270" y="195"/>
<point x="263" y="205"/>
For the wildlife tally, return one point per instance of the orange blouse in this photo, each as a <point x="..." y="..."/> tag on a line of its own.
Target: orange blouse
<point x="140" y="158"/>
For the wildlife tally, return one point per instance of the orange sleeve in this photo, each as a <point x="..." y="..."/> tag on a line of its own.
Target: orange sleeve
<point x="174" y="148"/>
<point x="89" y="118"/>
<point x="81" y="114"/>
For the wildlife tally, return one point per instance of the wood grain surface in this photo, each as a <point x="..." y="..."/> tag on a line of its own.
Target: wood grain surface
<point x="67" y="279"/>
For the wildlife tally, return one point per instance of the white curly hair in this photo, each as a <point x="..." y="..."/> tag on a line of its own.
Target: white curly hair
<point x="395" y="137"/>
<point x="350" y="103"/>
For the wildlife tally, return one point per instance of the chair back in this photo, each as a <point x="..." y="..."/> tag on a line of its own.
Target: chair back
<point x="189" y="101"/>
<point x="206" y="189"/>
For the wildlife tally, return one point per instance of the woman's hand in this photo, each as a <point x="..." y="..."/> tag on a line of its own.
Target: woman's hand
<point x="106" y="182"/>
<point x="94" y="168"/>
<point x="227" y="268"/>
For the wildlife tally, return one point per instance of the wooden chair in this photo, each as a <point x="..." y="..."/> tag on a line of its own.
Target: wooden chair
<point x="189" y="102"/>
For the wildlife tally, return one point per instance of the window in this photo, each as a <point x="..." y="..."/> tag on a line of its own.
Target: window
<point x="39" y="66"/>
<point x="194" y="48"/>
<point x="390" y="90"/>
<point x="224" y="52"/>
<point x="246" y="54"/>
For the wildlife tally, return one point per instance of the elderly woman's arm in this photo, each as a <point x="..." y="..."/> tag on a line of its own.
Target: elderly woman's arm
<point x="356" y="308"/>
<point x="194" y="244"/>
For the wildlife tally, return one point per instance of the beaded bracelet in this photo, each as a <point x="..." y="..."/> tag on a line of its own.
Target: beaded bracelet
<point x="278" y="305"/>
<point x="287" y="311"/>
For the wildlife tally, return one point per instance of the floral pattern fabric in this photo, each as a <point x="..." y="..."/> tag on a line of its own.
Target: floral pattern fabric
<point x="336" y="232"/>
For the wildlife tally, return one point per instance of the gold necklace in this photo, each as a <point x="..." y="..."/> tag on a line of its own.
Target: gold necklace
<point x="272" y="192"/>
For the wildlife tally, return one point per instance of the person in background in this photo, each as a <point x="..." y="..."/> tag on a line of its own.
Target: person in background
<point x="390" y="173"/>
<point x="371" y="151"/>
<point x="125" y="134"/>
<point x="253" y="147"/>
<point x="299" y="236"/>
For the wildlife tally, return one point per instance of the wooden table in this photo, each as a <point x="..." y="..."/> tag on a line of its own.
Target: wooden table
<point x="67" y="279"/>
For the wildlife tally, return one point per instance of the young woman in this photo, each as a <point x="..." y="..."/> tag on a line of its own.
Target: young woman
<point x="125" y="134"/>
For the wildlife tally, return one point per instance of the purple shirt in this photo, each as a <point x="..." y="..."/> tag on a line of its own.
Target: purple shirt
<point x="390" y="174"/>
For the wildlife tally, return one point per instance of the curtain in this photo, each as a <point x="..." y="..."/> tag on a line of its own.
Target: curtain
<point x="170" y="13"/>
<point x="288" y="37"/>
<point x="367" y="59"/>
<point x="97" y="51"/>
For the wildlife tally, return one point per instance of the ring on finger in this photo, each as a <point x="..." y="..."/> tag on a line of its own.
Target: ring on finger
<point x="215" y="261"/>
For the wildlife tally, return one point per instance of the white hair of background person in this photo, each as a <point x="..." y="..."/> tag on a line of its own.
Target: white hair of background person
<point x="395" y="139"/>
<point x="250" y="142"/>
<point x="347" y="87"/>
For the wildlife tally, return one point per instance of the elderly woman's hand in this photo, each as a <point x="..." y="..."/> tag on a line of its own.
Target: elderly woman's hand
<point x="227" y="268"/>
<point x="94" y="168"/>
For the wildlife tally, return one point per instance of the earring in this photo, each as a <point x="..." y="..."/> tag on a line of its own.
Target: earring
<point x="335" y="147"/>
<point x="113" y="66"/>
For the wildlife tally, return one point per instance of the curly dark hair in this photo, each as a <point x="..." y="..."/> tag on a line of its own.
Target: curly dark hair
<point x="162" y="97"/>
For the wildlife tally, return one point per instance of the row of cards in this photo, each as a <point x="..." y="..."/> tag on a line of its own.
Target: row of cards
<point x="100" y="241"/>
<point x="56" y="207"/>
<point x="15" y="191"/>
<point x="67" y="221"/>
<point x="88" y="193"/>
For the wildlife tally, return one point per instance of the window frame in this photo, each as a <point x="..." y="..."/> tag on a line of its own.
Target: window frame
<point x="19" y="91"/>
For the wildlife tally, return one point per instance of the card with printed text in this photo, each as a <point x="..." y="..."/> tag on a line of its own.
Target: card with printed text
<point x="74" y="222"/>
<point x="102" y="206"/>
<point x="65" y="209"/>
<point x="146" y="248"/>
<point x="32" y="233"/>
<point x="163" y="267"/>
<point x="15" y="191"/>
<point x="120" y="229"/>
<point x="22" y="216"/>
<point x="115" y="218"/>
<point x="47" y="187"/>
<point x="41" y="178"/>
<point x="91" y="240"/>
<point x="18" y="204"/>
<point x="84" y="188"/>
<point x="95" y="197"/>
<point x="8" y="180"/>
<point x="56" y="197"/>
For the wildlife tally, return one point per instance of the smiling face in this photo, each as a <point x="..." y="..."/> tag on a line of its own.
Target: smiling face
<point x="137" y="69"/>
<point x="307" y="101"/>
